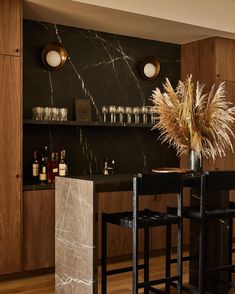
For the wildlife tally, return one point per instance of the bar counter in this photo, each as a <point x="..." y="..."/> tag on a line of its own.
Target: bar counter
<point x="76" y="250"/>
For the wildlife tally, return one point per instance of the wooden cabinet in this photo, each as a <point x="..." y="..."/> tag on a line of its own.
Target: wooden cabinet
<point x="211" y="61"/>
<point x="10" y="27"/>
<point x="10" y="168"/>
<point x="38" y="229"/>
<point x="11" y="136"/>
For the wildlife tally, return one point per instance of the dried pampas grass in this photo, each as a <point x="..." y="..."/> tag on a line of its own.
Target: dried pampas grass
<point x="189" y="119"/>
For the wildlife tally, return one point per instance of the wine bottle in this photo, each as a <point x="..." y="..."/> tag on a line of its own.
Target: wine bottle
<point x="43" y="171"/>
<point x="45" y="155"/>
<point x="52" y="168"/>
<point x="35" y="168"/>
<point x="62" y="165"/>
<point x="66" y="162"/>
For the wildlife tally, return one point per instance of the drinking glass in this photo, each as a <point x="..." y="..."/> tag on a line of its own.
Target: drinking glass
<point x="152" y="112"/>
<point x="38" y="113"/>
<point x="145" y="112"/>
<point x="112" y="111"/>
<point x="54" y="113"/>
<point x="128" y="113"/>
<point x="63" y="114"/>
<point x="136" y="112"/>
<point x="46" y="113"/>
<point x="121" y="111"/>
<point x="105" y="110"/>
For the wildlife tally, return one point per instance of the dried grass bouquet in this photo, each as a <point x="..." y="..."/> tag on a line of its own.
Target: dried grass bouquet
<point x="189" y="119"/>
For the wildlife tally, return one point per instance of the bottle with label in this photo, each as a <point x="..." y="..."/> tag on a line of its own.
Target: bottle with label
<point x="52" y="168"/>
<point x="62" y="165"/>
<point x="66" y="162"/>
<point x="35" y="168"/>
<point x="43" y="172"/>
<point x="45" y="155"/>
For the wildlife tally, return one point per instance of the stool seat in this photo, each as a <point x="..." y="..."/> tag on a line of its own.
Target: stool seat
<point x="211" y="182"/>
<point x="145" y="217"/>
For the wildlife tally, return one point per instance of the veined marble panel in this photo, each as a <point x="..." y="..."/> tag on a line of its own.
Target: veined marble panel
<point x="74" y="238"/>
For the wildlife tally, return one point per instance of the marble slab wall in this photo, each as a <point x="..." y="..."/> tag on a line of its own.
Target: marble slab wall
<point x="103" y="68"/>
<point x="75" y="255"/>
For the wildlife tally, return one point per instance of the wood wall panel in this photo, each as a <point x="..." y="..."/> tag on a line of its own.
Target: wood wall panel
<point x="216" y="64"/>
<point x="10" y="27"/>
<point x="119" y="239"/>
<point x="38" y="229"/>
<point x="227" y="162"/>
<point x="197" y="58"/>
<point x="11" y="115"/>
<point x="10" y="224"/>
<point x="10" y="168"/>
<point x="189" y="64"/>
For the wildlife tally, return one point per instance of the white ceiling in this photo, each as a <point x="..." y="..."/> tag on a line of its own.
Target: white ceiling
<point x="173" y="21"/>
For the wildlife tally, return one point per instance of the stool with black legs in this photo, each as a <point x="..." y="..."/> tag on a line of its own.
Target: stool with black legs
<point x="143" y="185"/>
<point x="211" y="182"/>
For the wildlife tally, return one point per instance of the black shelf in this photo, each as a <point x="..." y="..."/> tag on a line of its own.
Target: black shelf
<point x="86" y="124"/>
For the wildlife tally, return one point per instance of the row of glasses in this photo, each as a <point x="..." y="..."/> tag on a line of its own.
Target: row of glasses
<point x="50" y="113"/>
<point x="121" y="114"/>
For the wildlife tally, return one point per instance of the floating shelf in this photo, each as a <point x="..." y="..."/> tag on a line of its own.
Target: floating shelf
<point x="85" y="124"/>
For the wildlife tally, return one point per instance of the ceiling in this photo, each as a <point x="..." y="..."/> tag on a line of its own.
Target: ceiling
<point x="182" y="22"/>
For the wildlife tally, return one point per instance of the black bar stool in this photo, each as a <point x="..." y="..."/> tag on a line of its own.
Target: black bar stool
<point x="211" y="182"/>
<point x="143" y="185"/>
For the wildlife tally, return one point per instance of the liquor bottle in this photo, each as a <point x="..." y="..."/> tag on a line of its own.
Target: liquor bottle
<point x="62" y="165"/>
<point x="52" y="168"/>
<point x="66" y="162"/>
<point x="45" y="155"/>
<point x="35" y="168"/>
<point x="43" y="171"/>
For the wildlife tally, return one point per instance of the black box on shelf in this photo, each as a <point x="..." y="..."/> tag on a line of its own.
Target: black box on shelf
<point x="83" y="110"/>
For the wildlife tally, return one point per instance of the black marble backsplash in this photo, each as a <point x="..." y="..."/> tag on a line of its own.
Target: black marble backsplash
<point x="103" y="68"/>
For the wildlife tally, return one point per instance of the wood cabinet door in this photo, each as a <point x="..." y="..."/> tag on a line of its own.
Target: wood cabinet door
<point x="225" y="59"/>
<point x="38" y="229"/>
<point x="10" y="167"/>
<point x="10" y="27"/>
<point x="119" y="239"/>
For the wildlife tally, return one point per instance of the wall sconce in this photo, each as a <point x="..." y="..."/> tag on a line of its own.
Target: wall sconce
<point x="54" y="55"/>
<point x="150" y="68"/>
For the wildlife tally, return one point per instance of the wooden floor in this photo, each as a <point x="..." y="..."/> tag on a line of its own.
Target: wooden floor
<point x="119" y="284"/>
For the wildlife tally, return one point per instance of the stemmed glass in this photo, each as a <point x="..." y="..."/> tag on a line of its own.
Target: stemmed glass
<point x="128" y="113"/>
<point x="105" y="111"/>
<point x="145" y="112"/>
<point x="112" y="111"/>
<point x="136" y="112"/>
<point x="121" y="111"/>
<point x="152" y="112"/>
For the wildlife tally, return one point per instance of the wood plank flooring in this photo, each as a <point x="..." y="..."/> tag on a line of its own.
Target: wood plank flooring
<point x="119" y="284"/>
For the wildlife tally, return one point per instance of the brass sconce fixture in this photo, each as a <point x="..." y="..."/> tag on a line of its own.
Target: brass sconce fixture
<point x="150" y="68"/>
<point x="54" y="55"/>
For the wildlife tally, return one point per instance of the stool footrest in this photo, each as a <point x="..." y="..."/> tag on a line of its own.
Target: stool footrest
<point x="122" y="270"/>
<point x="220" y="268"/>
<point x="185" y="258"/>
<point x="158" y="281"/>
